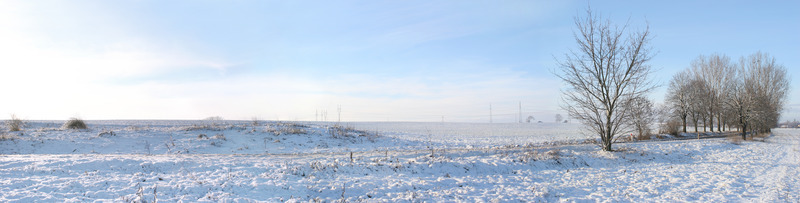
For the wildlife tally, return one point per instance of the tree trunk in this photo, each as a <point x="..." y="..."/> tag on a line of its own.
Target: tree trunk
<point x="744" y="132"/>
<point x="744" y="128"/>
<point x="711" y="122"/>
<point x="684" y="124"/>
<point x="608" y="136"/>
<point x="695" y="129"/>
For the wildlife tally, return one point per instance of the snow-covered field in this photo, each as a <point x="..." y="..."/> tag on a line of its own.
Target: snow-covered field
<point x="239" y="161"/>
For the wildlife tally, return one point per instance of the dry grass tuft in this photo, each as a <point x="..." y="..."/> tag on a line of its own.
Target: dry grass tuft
<point x="4" y="137"/>
<point x="287" y="129"/>
<point x="75" y="123"/>
<point x="735" y="139"/>
<point x="15" y="124"/>
<point x="761" y="137"/>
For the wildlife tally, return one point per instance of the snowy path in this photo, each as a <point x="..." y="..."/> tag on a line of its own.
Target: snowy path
<point x="781" y="178"/>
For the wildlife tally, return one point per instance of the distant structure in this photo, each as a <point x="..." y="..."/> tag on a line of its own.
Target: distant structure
<point x="530" y="118"/>
<point x="790" y="124"/>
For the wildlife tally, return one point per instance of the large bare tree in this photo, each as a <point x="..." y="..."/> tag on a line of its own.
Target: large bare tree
<point x="762" y="93"/>
<point x="698" y="91"/>
<point x="678" y="97"/>
<point x="608" y="69"/>
<point x="716" y="71"/>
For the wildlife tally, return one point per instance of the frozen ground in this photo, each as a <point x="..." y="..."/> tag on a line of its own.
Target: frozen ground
<point x="165" y="160"/>
<point x="478" y="134"/>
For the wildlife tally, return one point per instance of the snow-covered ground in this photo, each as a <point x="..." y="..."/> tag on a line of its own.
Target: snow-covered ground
<point x="239" y="161"/>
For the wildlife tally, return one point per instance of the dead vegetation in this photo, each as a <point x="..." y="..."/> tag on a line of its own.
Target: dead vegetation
<point x="208" y="127"/>
<point x="539" y="155"/>
<point x="4" y="137"/>
<point x="106" y="134"/>
<point x="281" y="128"/>
<point x="75" y="124"/>
<point x="339" y="131"/>
<point x="15" y="123"/>
<point x="737" y="140"/>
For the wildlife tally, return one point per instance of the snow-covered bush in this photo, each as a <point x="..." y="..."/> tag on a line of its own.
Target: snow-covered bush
<point x="75" y="123"/>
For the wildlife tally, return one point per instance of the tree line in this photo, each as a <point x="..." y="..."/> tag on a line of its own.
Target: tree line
<point x="607" y="79"/>
<point x="717" y="92"/>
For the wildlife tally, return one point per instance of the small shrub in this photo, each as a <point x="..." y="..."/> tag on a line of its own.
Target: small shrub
<point x="75" y="123"/>
<point x="643" y="137"/>
<point x="211" y="127"/>
<point x="4" y="137"/>
<point x="338" y="131"/>
<point x="294" y="131"/>
<point x="761" y="137"/>
<point x="254" y="121"/>
<point x="202" y="136"/>
<point x="371" y="136"/>
<point x="15" y="124"/>
<point x="106" y="134"/>
<point x="737" y="140"/>
<point x="554" y="153"/>
<point x="219" y="137"/>
<point x="672" y="127"/>
<point x="287" y="129"/>
<point x="528" y="156"/>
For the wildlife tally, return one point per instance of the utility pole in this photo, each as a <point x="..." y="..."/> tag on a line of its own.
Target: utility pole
<point x="490" y="112"/>
<point x="339" y="108"/>
<point x="519" y="120"/>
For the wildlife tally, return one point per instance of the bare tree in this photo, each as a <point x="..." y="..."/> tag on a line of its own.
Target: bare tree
<point x="716" y="71"/>
<point x="767" y="87"/>
<point x="698" y="102"/>
<point x="741" y="102"/>
<point x="678" y="97"/>
<point x="604" y="74"/>
<point x="642" y="115"/>
<point x="559" y="118"/>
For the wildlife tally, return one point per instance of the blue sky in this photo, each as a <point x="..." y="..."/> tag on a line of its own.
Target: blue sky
<point x="379" y="61"/>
